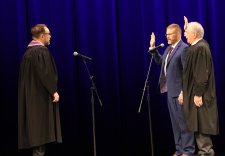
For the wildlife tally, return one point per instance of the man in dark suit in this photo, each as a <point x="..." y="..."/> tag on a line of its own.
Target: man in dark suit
<point x="171" y="82"/>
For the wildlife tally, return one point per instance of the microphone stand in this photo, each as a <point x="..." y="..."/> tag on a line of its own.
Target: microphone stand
<point x="149" y="107"/>
<point x="93" y="89"/>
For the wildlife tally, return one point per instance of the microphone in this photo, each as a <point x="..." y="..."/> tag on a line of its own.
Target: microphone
<point x="153" y="49"/>
<point x="83" y="56"/>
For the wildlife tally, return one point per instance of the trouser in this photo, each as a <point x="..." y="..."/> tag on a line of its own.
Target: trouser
<point x="39" y="150"/>
<point x="184" y="140"/>
<point x="205" y="145"/>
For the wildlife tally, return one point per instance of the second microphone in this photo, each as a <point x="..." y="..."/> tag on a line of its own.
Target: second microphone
<point x="83" y="56"/>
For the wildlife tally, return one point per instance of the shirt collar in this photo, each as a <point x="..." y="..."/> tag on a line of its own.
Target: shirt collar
<point x="196" y="41"/>
<point x="174" y="45"/>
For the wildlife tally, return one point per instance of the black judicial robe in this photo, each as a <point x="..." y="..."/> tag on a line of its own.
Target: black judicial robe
<point x="198" y="79"/>
<point x="38" y="116"/>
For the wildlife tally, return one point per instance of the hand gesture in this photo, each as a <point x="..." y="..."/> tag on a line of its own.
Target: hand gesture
<point x="198" y="101"/>
<point x="152" y="41"/>
<point x="181" y="98"/>
<point x="185" y="22"/>
<point x="55" y="97"/>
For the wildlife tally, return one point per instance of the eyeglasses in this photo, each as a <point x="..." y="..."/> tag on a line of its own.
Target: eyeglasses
<point x="47" y="33"/>
<point x="169" y="34"/>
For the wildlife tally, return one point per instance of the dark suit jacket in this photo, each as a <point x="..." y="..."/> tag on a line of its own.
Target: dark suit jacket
<point x="174" y="71"/>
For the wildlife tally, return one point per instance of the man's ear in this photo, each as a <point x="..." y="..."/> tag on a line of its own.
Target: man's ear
<point x="195" y="35"/>
<point x="42" y="36"/>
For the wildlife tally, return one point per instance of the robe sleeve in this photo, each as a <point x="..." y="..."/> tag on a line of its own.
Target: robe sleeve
<point x="201" y="70"/>
<point x="183" y="57"/>
<point x="46" y="70"/>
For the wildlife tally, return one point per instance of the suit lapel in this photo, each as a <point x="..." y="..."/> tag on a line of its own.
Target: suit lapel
<point x="173" y="53"/>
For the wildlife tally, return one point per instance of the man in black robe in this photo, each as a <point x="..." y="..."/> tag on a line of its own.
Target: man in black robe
<point x="199" y="93"/>
<point x="38" y="109"/>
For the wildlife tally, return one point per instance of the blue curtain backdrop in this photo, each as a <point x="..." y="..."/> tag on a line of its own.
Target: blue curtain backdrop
<point x="115" y="33"/>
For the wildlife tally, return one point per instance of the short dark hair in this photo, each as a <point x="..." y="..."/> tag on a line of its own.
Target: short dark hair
<point x="176" y="27"/>
<point x="37" y="30"/>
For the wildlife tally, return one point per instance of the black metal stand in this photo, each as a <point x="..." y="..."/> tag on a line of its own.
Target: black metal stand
<point x="93" y="89"/>
<point x="149" y="106"/>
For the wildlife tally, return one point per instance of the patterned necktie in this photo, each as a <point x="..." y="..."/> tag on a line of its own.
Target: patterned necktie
<point x="170" y="50"/>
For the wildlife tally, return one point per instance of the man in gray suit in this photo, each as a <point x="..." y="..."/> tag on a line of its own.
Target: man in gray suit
<point x="170" y="82"/>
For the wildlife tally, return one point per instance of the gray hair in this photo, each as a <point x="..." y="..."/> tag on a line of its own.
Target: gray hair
<point x="196" y="28"/>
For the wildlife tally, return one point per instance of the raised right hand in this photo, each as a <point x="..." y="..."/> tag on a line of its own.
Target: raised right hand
<point x="152" y="40"/>
<point x="185" y="22"/>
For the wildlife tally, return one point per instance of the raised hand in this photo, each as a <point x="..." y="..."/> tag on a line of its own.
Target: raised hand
<point x="152" y="41"/>
<point x="185" y="22"/>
